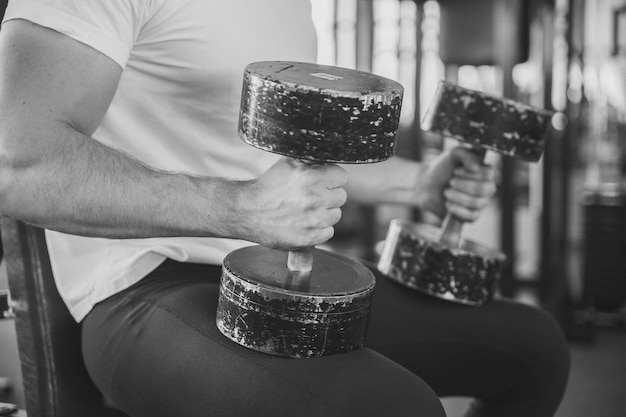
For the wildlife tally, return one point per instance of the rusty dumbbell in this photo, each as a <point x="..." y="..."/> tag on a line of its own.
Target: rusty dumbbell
<point x="438" y="261"/>
<point x="310" y="302"/>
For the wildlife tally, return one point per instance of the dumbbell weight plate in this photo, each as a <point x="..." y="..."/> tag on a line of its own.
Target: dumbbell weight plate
<point x="263" y="306"/>
<point x="487" y="121"/>
<point x="413" y="257"/>
<point x="319" y="113"/>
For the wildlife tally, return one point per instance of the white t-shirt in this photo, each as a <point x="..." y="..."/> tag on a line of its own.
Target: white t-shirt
<point x="176" y="109"/>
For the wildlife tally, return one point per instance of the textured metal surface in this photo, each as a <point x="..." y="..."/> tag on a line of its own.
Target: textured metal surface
<point x="487" y="121"/>
<point x="323" y="114"/>
<point x="262" y="308"/>
<point x="413" y="257"/>
<point x="319" y="113"/>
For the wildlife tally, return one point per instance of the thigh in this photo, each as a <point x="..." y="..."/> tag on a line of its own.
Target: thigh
<point x="154" y="350"/>
<point x="505" y="352"/>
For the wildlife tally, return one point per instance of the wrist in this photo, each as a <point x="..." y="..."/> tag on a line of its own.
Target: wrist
<point x="222" y="207"/>
<point x="239" y="213"/>
<point x="408" y="188"/>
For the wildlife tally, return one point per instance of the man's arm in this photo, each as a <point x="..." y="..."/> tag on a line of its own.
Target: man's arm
<point x="456" y="181"/>
<point x="54" y="91"/>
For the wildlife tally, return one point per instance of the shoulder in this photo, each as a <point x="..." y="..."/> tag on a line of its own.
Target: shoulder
<point x="111" y="27"/>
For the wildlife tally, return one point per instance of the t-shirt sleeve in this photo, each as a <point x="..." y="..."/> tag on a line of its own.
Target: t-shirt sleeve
<point x="110" y="27"/>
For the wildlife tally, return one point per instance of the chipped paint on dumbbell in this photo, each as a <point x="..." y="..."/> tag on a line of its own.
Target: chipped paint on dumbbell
<point x="313" y="113"/>
<point x="281" y="99"/>
<point x="257" y="309"/>
<point x="411" y="256"/>
<point x="503" y="125"/>
<point x="438" y="261"/>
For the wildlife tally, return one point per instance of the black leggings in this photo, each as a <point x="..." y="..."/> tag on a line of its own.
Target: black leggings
<point x="154" y="350"/>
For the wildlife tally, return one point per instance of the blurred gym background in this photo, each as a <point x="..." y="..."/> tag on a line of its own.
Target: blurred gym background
<point x="561" y="222"/>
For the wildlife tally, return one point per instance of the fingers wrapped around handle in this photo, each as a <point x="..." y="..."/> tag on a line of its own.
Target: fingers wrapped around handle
<point x="297" y="207"/>
<point x="332" y="197"/>
<point x="466" y="193"/>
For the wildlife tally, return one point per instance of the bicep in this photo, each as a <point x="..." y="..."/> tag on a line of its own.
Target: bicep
<point x="47" y="78"/>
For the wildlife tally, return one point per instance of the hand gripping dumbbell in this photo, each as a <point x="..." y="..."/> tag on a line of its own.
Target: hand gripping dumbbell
<point x="310" y="302"/>
<point x="437" y="261"/>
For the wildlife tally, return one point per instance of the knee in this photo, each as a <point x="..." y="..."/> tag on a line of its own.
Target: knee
<point x="542" y="344"/>
<point x="407" y="397"/>
<point x="381" y="388"/>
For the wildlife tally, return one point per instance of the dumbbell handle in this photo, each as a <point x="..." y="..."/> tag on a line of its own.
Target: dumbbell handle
<point x="451" y="231"/>
<point x="452" y="226"/>
<point x="300" y="260"/>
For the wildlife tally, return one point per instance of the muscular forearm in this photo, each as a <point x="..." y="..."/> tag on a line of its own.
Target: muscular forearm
<point x="57" y="178"/>
<point x="55" y="91"/>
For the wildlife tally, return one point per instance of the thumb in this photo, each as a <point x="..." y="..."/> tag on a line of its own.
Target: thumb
<point x="468" y="158"/>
